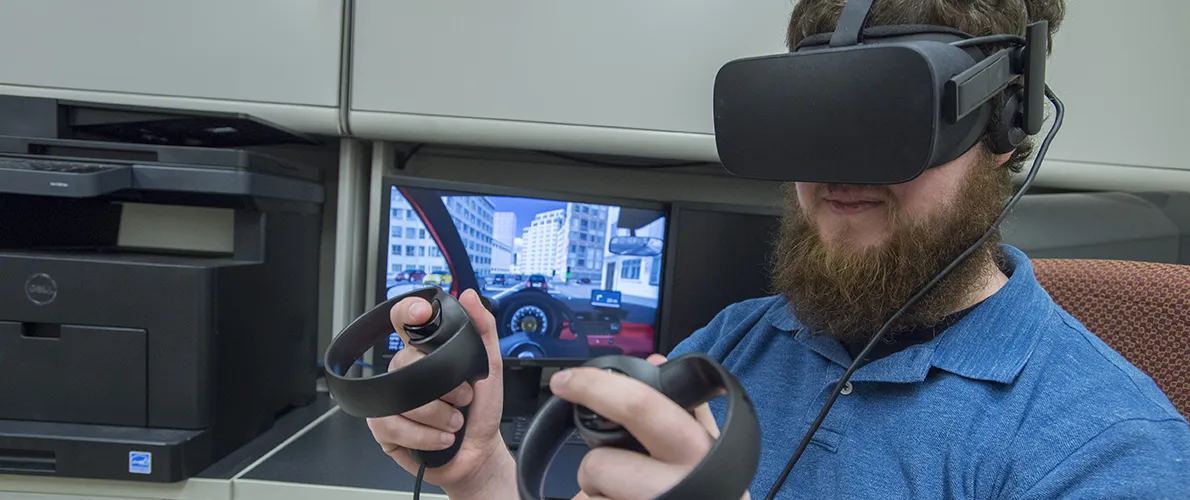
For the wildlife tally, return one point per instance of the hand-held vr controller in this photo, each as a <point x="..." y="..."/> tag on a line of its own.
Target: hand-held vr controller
<point x="690" y="380"/>
<point x="454" y="354"/>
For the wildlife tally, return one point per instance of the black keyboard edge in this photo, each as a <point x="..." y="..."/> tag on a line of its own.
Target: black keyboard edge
<point x="513" y="439"/>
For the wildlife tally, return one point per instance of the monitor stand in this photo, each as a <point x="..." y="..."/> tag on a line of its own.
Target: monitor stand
<point x="522" y="391"/>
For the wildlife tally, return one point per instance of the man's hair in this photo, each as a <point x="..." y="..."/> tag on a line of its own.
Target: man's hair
<point x="974" y="17"/>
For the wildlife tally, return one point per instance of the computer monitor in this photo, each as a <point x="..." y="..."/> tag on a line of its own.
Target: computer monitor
<point x="719" y="255"/>
<point x="566" y="277"/>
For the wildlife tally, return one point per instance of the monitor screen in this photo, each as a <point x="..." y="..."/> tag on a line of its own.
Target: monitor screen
<point x="566" y="280"/>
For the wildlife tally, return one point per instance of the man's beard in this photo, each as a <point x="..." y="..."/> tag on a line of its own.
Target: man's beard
<point x="849" y="293"/>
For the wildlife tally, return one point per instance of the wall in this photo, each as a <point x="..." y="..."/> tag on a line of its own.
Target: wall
<point x="635" y="78"/>
<point x="277" y="59"/>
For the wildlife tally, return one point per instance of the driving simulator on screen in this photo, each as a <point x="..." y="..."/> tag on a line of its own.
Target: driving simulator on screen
<point x="565" y="280"/>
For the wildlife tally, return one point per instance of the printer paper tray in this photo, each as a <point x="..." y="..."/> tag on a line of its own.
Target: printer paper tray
<point x="107" y="179"/>
<point x="102" y="451"/>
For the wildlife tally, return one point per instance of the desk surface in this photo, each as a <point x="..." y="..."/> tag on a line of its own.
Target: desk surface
<point x="312" y="452"/>
<point x="340" y="451"/>
<point x="213" y="483"/>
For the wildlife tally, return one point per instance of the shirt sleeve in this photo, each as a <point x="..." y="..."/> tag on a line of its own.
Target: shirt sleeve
<point x="1136" y="458"/>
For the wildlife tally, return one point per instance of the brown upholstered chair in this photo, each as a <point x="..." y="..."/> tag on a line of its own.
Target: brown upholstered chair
<point x="1140" y="309"/>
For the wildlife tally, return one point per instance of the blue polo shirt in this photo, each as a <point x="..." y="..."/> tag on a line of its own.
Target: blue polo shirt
<point x="1016" y="400"/>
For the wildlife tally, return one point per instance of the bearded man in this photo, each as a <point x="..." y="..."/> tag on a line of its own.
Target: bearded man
<point x="984" y="389"/>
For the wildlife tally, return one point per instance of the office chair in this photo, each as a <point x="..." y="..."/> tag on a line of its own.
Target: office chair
<point x="1140" y="309"/>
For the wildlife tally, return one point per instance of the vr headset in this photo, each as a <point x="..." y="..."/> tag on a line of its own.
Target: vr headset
<point x="877" y="105"/>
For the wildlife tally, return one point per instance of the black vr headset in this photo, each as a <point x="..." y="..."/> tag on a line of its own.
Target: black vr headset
<point x="877" y="105"/>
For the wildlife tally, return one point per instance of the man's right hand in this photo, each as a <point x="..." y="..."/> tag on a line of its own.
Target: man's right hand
<point x="483" y="467"/>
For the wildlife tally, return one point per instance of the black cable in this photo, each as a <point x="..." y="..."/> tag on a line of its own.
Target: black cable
<point x="421" y="472"/>
<point x="1060" y="111"/>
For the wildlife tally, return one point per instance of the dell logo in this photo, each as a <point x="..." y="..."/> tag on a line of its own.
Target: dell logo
<point x="41" y="289"/>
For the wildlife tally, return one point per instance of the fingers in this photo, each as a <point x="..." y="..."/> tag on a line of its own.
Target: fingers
<point x="404" y="357"/>
<point x="399" y="432"/>
<point x="704" y="417"/>
<point x="416" y="310"/>
<point x="485" y="323"/>
<point x="438" y="415"/>
<point x="660" y="425"/>
<point x="702" y="413"/>
<point x="460" y="396"/>
<point x="409" y="311"/>
<point x="603" y="471"/>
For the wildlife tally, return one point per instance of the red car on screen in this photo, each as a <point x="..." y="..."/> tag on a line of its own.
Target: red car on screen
<point x="411" y="275"/>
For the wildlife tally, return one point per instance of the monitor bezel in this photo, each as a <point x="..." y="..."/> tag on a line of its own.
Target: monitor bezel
<point x="388" y="182"/>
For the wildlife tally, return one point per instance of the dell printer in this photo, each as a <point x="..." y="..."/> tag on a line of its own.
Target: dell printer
<point x="158" y="287"/>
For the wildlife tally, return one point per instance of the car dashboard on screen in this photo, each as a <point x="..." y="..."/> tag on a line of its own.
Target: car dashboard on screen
<point x="565" y="280"/>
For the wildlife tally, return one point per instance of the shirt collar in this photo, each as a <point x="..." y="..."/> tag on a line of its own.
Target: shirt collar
<point x="992" y="342"/>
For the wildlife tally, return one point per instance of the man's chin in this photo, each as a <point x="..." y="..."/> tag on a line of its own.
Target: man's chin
<point x="853" y="243"/>
<point x="867" y="231"/>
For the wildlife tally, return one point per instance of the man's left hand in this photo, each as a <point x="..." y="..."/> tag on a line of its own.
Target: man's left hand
<point x="676" y="442"/>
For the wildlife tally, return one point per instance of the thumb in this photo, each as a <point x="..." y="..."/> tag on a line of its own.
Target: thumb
<point x="702" y="413"/>
<point x="707" y="419"/>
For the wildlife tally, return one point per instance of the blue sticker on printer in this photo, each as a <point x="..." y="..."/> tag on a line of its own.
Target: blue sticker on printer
<point x="140" y="462"/>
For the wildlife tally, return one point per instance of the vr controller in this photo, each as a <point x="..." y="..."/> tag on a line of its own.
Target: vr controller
<point x="454" y="354"/>
<point x="690" y="380"/>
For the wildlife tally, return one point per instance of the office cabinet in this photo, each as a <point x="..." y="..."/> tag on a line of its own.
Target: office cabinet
<point x="1122" y="70"/>
<point x="636" y="78"/>
<point x="618" y="76"/>
<point x="277" y="59"/>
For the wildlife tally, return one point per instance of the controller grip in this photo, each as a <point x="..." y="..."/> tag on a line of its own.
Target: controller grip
<point x="437" y="458"/>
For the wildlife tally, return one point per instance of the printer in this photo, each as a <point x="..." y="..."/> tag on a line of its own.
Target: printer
<point x="158" y="287"/>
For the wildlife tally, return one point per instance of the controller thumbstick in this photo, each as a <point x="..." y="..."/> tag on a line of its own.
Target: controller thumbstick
<point x="594" y="421"/>
<point x="420" y="333"/>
